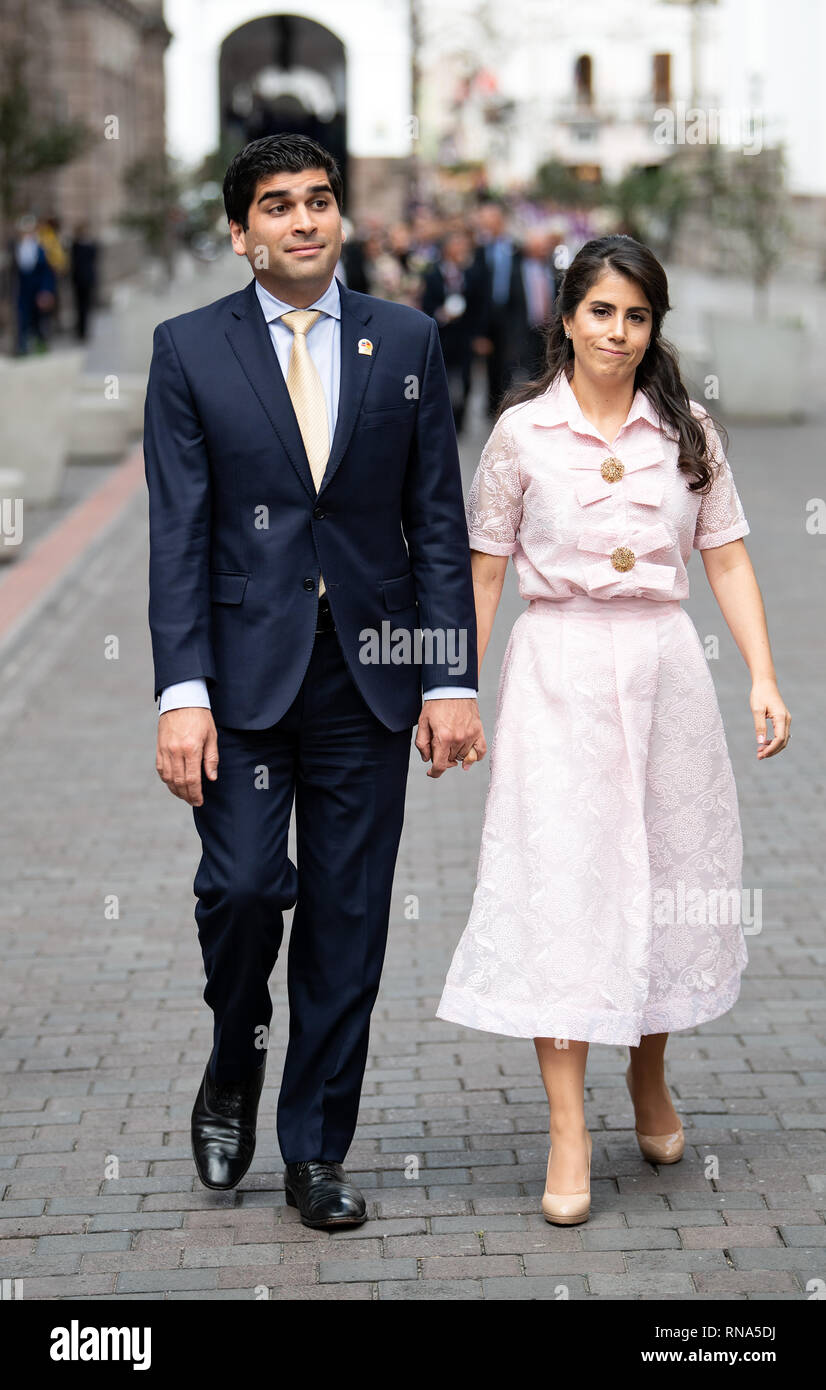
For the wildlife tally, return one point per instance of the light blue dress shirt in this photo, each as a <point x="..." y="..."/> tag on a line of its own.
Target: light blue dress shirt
<point x="324" y="344"/>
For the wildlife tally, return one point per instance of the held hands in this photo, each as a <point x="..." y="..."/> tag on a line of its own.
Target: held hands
<point x="450" y="732"/>
<point x="765" y="702"/>
<point x="187" y="738"/>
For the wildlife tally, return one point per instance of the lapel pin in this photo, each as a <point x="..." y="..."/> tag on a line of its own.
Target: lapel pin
<point x="366" y="346"/>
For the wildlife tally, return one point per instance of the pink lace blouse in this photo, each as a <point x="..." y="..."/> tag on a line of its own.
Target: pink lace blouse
<point x="581" y="516"/>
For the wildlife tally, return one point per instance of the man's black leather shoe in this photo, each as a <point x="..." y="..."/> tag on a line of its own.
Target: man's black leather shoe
<point x="324" y="1195"/>
<point x="223" y="1128"/>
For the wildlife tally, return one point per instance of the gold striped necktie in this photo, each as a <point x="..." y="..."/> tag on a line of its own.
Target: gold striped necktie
<point x="308" y="398"/>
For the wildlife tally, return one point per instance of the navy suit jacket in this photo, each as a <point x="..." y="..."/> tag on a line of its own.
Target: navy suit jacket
<point x="239" y="537"/>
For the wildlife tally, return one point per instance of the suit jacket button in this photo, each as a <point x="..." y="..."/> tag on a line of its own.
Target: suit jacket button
<point x="319" y="513"/>
<point x="309" y="585"/>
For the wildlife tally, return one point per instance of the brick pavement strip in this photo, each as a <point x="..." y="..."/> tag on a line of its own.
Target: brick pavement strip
<point x="105" y="1031"/>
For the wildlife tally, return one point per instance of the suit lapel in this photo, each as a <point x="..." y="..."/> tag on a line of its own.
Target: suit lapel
<point x="249" y="338"/>
<point x="355" y="373"/>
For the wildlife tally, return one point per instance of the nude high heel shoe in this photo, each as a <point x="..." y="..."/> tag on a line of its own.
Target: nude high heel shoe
<point x="658" y="1148"/>
<point x="568" y="1208"/>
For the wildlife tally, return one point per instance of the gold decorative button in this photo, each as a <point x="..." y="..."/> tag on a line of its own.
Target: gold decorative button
<point x="612" y="470"/>
<point x="622" y="558"/>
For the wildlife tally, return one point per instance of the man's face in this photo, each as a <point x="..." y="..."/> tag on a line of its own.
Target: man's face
<point x="293" y="240"/>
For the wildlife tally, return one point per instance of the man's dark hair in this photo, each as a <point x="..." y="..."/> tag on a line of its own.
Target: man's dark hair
<point x="274" y="154"/>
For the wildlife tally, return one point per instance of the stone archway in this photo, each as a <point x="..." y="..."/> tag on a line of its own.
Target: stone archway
<point x="358" y="49"/>
<point x="284" y="73"/>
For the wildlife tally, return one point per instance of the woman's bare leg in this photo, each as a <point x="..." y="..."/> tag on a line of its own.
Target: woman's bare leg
<point x="562" y="1064"/>
<point x="653" y="1107"/>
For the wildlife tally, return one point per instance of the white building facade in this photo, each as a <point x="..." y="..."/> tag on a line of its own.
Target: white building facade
<point x="510" y="85"/>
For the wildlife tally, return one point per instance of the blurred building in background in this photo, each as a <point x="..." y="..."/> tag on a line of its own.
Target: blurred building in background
<point x="93" y="69"/>
<point x="422" y="102"/>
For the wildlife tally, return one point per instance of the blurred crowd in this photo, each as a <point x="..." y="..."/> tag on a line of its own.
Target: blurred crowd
<point x="45" y="265"/>
<point x="488" y="276"/>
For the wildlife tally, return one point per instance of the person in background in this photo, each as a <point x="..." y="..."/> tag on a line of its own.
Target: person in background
<point x="83" y="274"/>
<point x="48" y="232"/>
<point x="387" y="273"/>
<point x="539" y="292"/>
<point x="35" y="286"/>
<point x="425" y="236"/>
<point x="352" y="260"/>
<point x="454" y="295"/>
<point x="499" y="258"/>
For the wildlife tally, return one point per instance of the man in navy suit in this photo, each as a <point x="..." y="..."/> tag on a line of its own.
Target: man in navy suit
<point x="310" y="602"/>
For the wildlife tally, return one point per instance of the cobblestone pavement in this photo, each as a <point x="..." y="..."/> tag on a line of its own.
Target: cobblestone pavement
<point x="106" y="1033"/>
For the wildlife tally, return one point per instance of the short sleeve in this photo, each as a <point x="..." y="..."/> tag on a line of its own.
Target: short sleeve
<point x="494" y="503"/>
<point x="721" y="518"/>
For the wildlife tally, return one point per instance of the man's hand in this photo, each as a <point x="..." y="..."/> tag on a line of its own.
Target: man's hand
<point x="450" y="732"/>
<point x="188" y="738"/>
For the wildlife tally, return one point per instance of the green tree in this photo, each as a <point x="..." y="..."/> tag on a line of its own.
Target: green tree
<point x="556" y="181"/>
<point x="651" y="202"/>
<point x="152" y="206"/>
<point x="747" y="194"/>
<point x="29" y="144"/>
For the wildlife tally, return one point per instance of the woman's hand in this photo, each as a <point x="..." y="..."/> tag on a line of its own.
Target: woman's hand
<point x="765" y="701"/>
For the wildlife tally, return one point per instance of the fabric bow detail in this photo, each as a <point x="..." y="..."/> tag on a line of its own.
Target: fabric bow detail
<point x="638" y="483"/>
<point x="640" y="573"/>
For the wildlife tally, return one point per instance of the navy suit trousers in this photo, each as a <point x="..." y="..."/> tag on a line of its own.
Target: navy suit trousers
<point x="347" y="773"/>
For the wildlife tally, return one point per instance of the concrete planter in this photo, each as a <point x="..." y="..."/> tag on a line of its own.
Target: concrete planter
<point x="761" y="366"/>
<point x="100" y="428"/>
<point x="36" y="399"/>
<point x="103" y="425"/>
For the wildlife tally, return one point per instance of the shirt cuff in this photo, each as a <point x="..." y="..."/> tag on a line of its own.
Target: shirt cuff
<point x="450" y="692"/>
<point x="708" y="539"/>
<point x="185" y="695"/>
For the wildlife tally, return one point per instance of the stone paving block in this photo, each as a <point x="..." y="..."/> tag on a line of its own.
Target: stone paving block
<point x="721" y="1237"/>
<point x="728" y="1282"/>
<point x="810" y="1236"/>
<point x="60" y="1286"/>
<point x="455" y="1243"/>
<point x="135" y="1221"/>
<point x="634" y="1238"/>
<point x="68" y="1245"/>
<point x="159" y="1281"/>
<point x="468" y="1266"/>
<point x="642" y="1286"/>
<point x="810" y="1258"/>
<point x="536" y="1288"/>
<point x="338" y="1270"/>
<point x="433" y="1290"/>
<point x="674" y="1261"/>
<point x="104" y="1261"/>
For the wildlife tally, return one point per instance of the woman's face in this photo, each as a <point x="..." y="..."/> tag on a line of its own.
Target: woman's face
<point x="611" y="328"/>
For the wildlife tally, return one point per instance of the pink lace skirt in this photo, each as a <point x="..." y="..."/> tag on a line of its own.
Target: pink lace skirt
<point x="608" y="901"/>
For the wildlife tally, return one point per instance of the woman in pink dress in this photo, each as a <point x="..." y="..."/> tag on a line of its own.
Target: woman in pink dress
<point x="607" y="906"/>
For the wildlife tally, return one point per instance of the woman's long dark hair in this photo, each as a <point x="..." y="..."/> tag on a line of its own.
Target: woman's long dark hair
<point x="658" y="374"/>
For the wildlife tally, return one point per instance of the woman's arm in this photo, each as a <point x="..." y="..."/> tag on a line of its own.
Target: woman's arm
<point x="734" y="585"/>
<point x="488" y="577"/>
